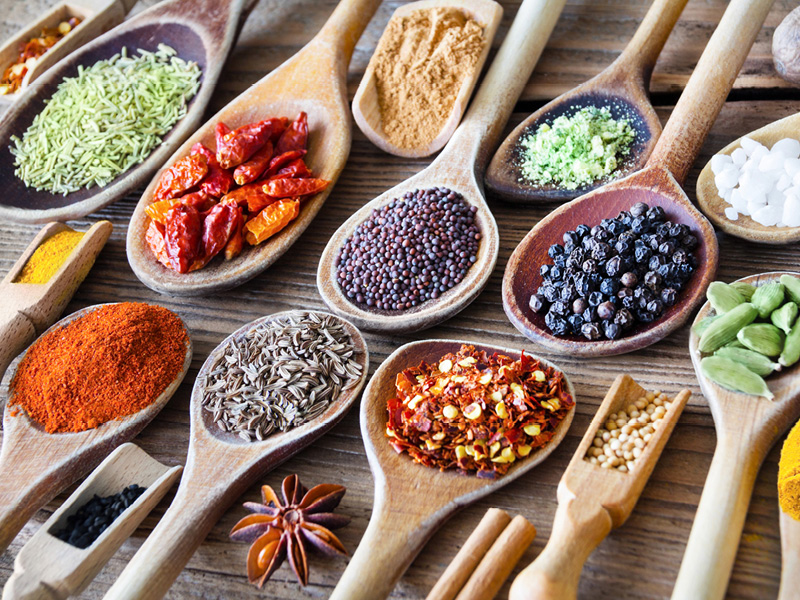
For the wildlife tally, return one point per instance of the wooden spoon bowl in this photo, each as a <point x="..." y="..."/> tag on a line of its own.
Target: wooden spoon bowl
<point x="412" y="500"/>
<point x="744" y="227"/>
<point x="202" y="31"/>
<point x="314" y="81"/>
<point x="219" y="468"/>
<point x="36" y="465"/>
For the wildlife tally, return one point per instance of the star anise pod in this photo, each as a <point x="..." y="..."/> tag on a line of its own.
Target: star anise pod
<point x="277" y="529"/>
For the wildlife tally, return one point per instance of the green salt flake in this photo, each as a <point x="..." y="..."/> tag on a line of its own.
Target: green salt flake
<point x="575" y="151"/>
<point x="105" y="120"/>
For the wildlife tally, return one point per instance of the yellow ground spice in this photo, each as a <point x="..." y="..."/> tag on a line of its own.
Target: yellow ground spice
<point x="49" y="257"/>
<point x="789" y="474"/>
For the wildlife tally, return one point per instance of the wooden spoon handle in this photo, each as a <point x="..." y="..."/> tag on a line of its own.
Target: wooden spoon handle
<point x="580" y="524"/>
<point x="714" y="540"/>
<point x="344" y="27"/>
<point x="17" y="332"/>
<point x="712" y="79"/>
<point x="790" y="557"/>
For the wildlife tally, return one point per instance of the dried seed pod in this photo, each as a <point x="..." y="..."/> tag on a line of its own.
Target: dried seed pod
<point x="756" y="362"/>
<point x="723" y="297"/>
<point x="724" y="328"/>
<point x="767" y="298"/>
<point x="763" y="338"/>
<point x="745" y="289"/>
<point x="703" y="324"/>
<point x="791" y="285"/>
<point x="734" y="376"/>
<point x="784" y="317"/>
<point x="791" y="347"/>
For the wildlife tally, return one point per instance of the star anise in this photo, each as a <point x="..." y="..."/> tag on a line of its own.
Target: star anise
<point x="277" y="529"/>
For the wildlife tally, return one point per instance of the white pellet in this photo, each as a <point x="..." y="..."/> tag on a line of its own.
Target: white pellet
<point x="732" y="213"/>
<point x="788" y="146"/>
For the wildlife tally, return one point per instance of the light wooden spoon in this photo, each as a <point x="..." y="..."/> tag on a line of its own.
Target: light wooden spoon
<point x="97" y="17"/>
<point x="460" y="167"/>
<point x="48" y="568"/>
<point x="366" y="111"/>
<point x="747" y="427"/>
<point x="202" y="31"/>
<point x="592" y="501"/>
<point x="315" y="81"/>
<point x="30" y="308"/>
<point x="411" y="500"/>
<point x="621" y="87"/>
<point x="36" y="465"/>
<point x="744" y="227"/>
<point x="790" y="556"/>
<point x="219" y="468"/>
<point x="658" y="184"/>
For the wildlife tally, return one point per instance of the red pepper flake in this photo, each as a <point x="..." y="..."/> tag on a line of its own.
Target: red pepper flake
<point x="474" y="412"/>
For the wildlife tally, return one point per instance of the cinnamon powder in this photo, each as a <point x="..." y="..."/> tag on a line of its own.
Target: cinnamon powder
<point x="420" y="64"/>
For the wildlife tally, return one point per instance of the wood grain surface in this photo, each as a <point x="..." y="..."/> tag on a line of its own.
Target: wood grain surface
<point x="638" y="560"/>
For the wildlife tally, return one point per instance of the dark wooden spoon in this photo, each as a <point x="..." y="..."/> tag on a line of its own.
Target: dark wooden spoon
<point x="622" y="88"/>
<point x="658" y="184"/>
<point x="203" y="31"/>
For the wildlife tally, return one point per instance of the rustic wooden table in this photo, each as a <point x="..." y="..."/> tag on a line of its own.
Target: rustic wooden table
<point x="641" y="559"/>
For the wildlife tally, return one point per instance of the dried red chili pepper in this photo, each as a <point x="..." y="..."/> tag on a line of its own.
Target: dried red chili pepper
<point x="252" y="169"/>
<point x="157" y="242"/>
<point x="295" y="137"/>
<point x="184" y="236"/>
<point x="281" y="160"/>
<point x="180" y="177"/>
<point x="252" y="196"/>
<point x="219" y="225"/>
<point x="295" y="169"/>
<point x="271" y="220"/>
<point x="288" y="188"/>
<point x="236" y="242"/>
<point x="218" y="181"/>
<point x="235" y="147"/>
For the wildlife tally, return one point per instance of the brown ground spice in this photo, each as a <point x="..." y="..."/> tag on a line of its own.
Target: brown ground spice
<point x="112" y="362"/>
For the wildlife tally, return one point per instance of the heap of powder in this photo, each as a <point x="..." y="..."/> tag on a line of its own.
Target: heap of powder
<point x="49" y="256"/>
<point x="420" y="64"/>
<point x="789" y="474"/>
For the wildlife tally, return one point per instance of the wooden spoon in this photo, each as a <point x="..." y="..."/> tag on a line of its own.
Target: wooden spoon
<point x="36" y="465"/>
<point x="459" y="166"/>
<point x="411" y="500"/>
<point x="747" y="427"/>
<point x="622" y="87"/>
<point x="592" y="501"/>
<point x="219" y="468"/>
<point x="790" y="556"/>
<point x="202" y="31"/>
<point x="366" y="110"/>
<point x="97" y="17"/>
<point x="314" y="81"/>
<point x="48" y="568"/>
<point x="30" y="308"/>
<point x="744" y="227"/>
<point x="658" y="184"/>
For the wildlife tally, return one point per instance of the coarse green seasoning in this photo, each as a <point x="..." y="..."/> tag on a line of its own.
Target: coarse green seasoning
<point x="105" y="120"/>
<point x="575" y="151"/>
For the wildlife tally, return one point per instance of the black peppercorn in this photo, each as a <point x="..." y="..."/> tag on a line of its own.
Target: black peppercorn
<point x="590" y="331"/>
<point x="595" y="298"/>
<point x="555" y="250"/>
<point x="656" y="214"/>
<point x="606" y="310"/>
<point x="613" y="266"/>
<point x="579" y="305"/>
<point x="582" y="230"/>
<point x="667" y="248"/>
<point x="612" y="330"/>
<point x="655" y="262"/>
<point x="590" y="314"/>
<point x="575" y="324"/>
<point x="642" y="254"/>
<point x="669" y="296"/>
<point x="560" y="308"/>
<point x="550" y="293"/>
<point x="589" y="266"/>
<point x="652" y="279"/>
<point x="609" y="287"/>
<point x="638" y="209"/>
<point x="655" y="307"/>
<point x="537" y="303"/>
<point x="629" y="279"/>
<point x="544" y="270"/>
<point x="601" y="252"/>
<point x="680" y="257"/>
<point x="624" y="318"/>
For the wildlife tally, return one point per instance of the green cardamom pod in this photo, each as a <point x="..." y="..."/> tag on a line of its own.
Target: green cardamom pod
<point x="734" y="376"/>
<point x="791" y="347"/>
<point x="767" y="298"/>
<point x="723" y="297"/>
<point x="703" y="324"/>
<point x="792" y="285"/>
<point x="735" y="344"/>
<point x="784" y="317"/>
<point x="745" y="289"/>
<point x="757" y="363"/>
<point x="725" y="327"/>
<point x="763" y="338"/>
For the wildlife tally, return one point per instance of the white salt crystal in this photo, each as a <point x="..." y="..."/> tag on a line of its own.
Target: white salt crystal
<point x="738" y="156"/>
<point x="728" y="178"/>
<point x="771" y="161"/>
<point x="738" y="201"/>
<point x="791" y="166"/>
<point x="719" y="162"/>
<point x="758" y="154"/>
<point x="731" y="213"/>
<point x="791" y="212"/>
<point x="749" y="145"/>
<point x="796" y="179"/>
<point x="784" y="181"/>
<point x="767" y="216"/>
<point x="788" y="146"/>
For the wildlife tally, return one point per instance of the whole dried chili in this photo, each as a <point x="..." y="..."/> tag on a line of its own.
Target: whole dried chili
<point x="181" y="176"/>
<point x="218" y="180"/>
<point x="183" y="233"/>
<point x="296" y="168"/>
<point x="287" y="188"/>
<point x="295" y="137"/>
<point x="280" y="160"/>
<point x="235" y="147"/>
<point x="474" y="412"/>
<point x="271" y="220"/>
<point x="110" y="363"/>
<point x="252" y="169"/>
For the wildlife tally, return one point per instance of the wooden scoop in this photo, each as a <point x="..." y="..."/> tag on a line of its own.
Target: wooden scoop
<point x="658" y="184"/>
<point x="621" y="87"/>
<point x="592" y="501"/>
<point x="30" y="308"/>
<point x="412" y="500"/>
<point x="458" y="167"/>
<point x="219" y="468"/>
<point x="366" y="110"/>
<point x="97" y="16"/>
<point x="790" y="557"/>
<point x="747" y="427"/>
<point x="314" y="81"/>
<point x="744" y="227"/>
<point x="202" y="31"/>
<point x="35" y="465"/>
<point x="48" y="568"/>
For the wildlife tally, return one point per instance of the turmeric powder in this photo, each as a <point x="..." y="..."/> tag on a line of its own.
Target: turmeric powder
<point x="789" y="474"/>
<point x="49" y="257"/>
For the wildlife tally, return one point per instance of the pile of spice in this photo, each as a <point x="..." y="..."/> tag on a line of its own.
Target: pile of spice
<point x="577" y="150"/>
<point x="105" y="120"/>
<point x="30" y="51"/>
<point x="420" y="64"/>
<point x="410" y="251"/>
<point x="625" y="435"/>
<point x="789" y="474"/>
<point x="280" y="374"/>
<point x="604" y="280"/>
<point x="751" y="327"/>
<point x="109" y="363"/>
<point x="474" y="412"/>
<point x="290" y="528"/>
<point x="94" y="517"/>
<point x="761" y="183"/>
<point x="49" y="256"/>
<point x="250" y="189"/>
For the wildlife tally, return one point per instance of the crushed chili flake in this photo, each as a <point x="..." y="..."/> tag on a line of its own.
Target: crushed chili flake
<point x="474" y="412"/>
